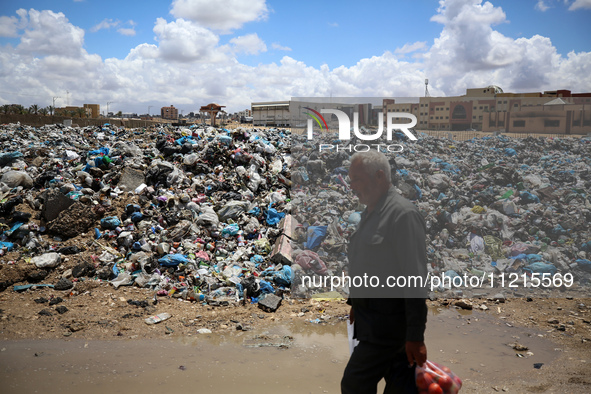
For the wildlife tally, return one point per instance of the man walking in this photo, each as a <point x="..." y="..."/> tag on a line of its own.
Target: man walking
<point x="390" y="313"/>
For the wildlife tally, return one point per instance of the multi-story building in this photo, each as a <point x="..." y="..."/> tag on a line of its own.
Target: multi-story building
<point x="490" y="109"/>
<point x="95" y="110"/>
<point x="81" y="112"/>
<point x="169" y="113"/>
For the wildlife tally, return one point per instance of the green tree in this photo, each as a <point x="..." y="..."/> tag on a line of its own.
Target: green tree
<point x="6" y="109"/>
<point x="34" y="109"/>
<point x="81" y="112"/>
<point x="119" y="114"/>
<point x="43" y="111"/>
<point x="50" y="109"/>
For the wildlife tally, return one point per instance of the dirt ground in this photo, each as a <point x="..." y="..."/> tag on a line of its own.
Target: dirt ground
<point x="97" y="311"/>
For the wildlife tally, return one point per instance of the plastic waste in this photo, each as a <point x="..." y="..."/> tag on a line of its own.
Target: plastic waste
<point x="158" y="318"/>
<point x="172" y="260"/>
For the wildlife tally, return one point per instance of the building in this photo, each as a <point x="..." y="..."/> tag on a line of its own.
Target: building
<point x="271" y="113"/>
<point x="95" y="110"/>
<point x="490" y="109"/>
<point x="296" y="113"/>
<point x="78" y="112"/>
<point x="169" y="113"/>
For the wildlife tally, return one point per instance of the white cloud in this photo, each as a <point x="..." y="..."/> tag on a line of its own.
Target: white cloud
<point x="408" y="48"/>
<point x="130" y="31"/>
<point x="221" y="15"/>
<point x="280" y="47"/>
<point x="188" y="67"/>
<point x="8" y="26"/>
<point x="184" y="41"/>
<point x="578" y="4"/>
<point x="541" y="6"/>
<point x="104" y="24"/>
<point x="250" y="44"/>
<point x="50" y="33"/>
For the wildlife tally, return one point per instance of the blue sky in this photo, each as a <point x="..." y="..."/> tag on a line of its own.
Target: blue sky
<point x="239" y="51"/>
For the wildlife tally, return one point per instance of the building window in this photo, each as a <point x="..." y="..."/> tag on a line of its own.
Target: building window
<point x="551" y="123"/>
<point x="480" y="107"/>
<point x="447" y="108"/>
<point x="519" y="123"/>
<point x="505" y="102"/>
<point x="516" y="105"/>
<point x="459" y="112"/>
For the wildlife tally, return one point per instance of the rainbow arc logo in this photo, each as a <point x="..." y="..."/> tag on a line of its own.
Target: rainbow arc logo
<point x="316" y="115"/>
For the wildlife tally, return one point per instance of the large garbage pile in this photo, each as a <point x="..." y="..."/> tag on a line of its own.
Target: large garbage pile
<point x="493" y="206"/>
<point x="185" y="212"/>
<point x="204" y="214"/>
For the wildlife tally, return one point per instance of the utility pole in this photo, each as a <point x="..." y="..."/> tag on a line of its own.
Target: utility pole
<point x="55" y="98"/>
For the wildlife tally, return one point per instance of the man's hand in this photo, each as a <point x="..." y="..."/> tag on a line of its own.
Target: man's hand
<point x="416" y="352"/>
<point x="351" y="316"/>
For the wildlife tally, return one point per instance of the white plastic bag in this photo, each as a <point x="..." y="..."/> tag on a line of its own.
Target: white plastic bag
<point x="352" y="341"/>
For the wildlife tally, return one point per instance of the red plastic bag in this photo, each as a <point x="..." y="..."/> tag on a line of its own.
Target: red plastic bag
<point x="434" y="378"/>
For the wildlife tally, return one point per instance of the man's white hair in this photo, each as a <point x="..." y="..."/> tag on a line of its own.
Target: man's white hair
<point x="373" y="161"/>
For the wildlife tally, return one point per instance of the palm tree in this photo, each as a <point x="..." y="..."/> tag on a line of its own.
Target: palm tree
<point x="34" y="109"/>
<point x="21" y="110"/>
<point x="81" y="112"/>
<point x="43" y="111"/>
<point x="50" y="109"/>
<point x="6" y="109"/>
<point x="73" y="113"/>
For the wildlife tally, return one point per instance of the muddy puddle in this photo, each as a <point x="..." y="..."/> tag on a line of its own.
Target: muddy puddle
<point x="293" y="357"/>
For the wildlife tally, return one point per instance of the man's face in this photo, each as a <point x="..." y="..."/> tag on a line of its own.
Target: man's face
<point x="363" y="184"/>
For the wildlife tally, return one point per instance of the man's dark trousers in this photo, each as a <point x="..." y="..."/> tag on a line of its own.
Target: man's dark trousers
<point x="369" y="363"/>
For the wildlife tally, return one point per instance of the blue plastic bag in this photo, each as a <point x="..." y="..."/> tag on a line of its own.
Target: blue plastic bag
<point x="7" y="245"/>
<point x="266" y="287"/>
<point x="110" y="222"/>
<point x="510" y="152"/>
<point x="541" y="268"/>
<point x="274" y="217"/>
<point x="136" y="217"/>
<point x="316" y="235"/>
<point x="9" y="157"/>
<point x="173" y="260"/>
